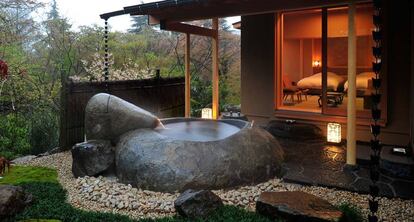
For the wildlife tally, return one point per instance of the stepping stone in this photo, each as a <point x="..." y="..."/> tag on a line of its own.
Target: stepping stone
<point x="13" y="199"/>
<point x="197" y="204"/>
<point x="296" y="206"/>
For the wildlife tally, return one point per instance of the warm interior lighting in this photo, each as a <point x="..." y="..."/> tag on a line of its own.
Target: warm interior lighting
<point x="334" y="133"/>
<point x="207" y="113"/>
<point x="316" y="63"/>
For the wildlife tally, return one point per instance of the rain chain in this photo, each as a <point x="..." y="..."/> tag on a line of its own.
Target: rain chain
<point x="376" y="112"/>
<point x="106" y="63"/>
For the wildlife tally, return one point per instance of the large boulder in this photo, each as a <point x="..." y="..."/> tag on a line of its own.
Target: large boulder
<point x="92" y="157"/>
<point x="150" y="160"/>
<point x="13" y="200"/>
<point x="197" y="204"/>
<point x="107" y="117"/>
<point x="296" y="206"/>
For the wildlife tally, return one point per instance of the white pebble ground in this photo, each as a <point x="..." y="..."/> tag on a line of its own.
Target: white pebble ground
<point x="106" y="195"/>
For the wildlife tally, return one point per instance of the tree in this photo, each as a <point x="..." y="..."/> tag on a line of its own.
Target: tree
<point x="139" y="23"/>
<point x="54" y="12"/>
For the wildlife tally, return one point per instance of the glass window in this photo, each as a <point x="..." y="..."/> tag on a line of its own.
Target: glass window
<point x="300" y="79"/>
<point x="301" y="61"/>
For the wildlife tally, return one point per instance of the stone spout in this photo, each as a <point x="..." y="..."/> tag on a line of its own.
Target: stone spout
<point x="107" y="117"/>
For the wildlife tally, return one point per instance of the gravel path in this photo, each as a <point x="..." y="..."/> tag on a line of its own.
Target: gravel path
<point x="106" y="195"/>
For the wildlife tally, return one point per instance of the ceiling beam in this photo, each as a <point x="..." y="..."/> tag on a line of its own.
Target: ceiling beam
<point x="153" y="20"/>
<point x="190" y="29"/>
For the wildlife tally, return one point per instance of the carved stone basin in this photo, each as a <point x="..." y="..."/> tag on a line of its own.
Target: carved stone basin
<point x="197" y="154"/>
<point x="185" y="153"/>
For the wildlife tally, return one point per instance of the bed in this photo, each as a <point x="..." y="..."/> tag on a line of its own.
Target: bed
<point x="362" y="83"/>
<point x="314" y="83"/>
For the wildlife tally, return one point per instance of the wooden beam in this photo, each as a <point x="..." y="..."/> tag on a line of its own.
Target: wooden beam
<point x="237" y="25"/>
<point x="186" y="28"/>
<point x="219" y="8"/>
<point x="153" y="20"/>
<point x="187" y="77"/>
<point x="215" y="79"/>
<point x="351" y="112"/>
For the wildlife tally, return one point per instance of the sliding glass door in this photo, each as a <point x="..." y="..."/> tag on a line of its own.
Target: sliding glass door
<point x="313" y="51"/>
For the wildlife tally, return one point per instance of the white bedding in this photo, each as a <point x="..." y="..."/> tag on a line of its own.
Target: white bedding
<point x="315" y="81"/>
<point x="361" y="80"/>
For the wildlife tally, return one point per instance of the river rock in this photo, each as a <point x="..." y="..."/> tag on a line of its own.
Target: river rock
<point x="148" y="160"/>
<point x="107" y="117"/>
<point x="23" y="159"/>
<point x="92" y="157"/>
<point x="197" y="204"/>
<point x="296" y="206"/>
<point x="297" y="131"/>
<point x="13" y="200"/>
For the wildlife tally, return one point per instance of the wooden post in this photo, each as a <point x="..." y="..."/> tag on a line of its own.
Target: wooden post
<point x="215" y="79"/>
<point x="351" y="114"/>
<point x="187" y="77"/>
<point x="412" y="80"/>
<point x="324" y="58"/>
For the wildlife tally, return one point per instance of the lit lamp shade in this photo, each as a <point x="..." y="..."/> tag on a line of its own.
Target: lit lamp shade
<point x="334" y="133"/>
<point x="207" y="113"/>
<point x="316" y="63"/>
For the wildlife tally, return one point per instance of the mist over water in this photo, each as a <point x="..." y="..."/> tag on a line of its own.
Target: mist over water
<point x="202" y="131"/>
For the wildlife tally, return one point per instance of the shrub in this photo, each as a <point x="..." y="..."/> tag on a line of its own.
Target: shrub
<point x="350" y="213"/>
<point x="44" y="131"/>
<point x="13" y="136"/>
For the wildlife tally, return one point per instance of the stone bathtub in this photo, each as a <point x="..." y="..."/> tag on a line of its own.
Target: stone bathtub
<point x="180" y="153"/>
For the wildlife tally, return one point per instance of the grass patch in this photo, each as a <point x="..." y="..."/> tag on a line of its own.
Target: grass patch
<point x="27" y="174"/>
<point x="39" y="220"/>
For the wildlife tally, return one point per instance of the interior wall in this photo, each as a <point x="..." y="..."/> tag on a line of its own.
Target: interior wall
<point x="308" y="25"/>
<point x="291" y="59"/>
<point x="257" y="67"/>
<point x="307" y="58"/>
<point x="338" y="52"/>
<point x="297" y="58"/>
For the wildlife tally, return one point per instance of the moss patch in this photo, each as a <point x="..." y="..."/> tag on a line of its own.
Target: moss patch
<point x="39" y="220"/>
<point x="26" y="174"/>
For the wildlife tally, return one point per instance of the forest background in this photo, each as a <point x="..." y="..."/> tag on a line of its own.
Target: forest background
<point x="40" y="55"/>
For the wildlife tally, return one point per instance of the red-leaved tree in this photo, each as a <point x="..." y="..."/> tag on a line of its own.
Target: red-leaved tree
<point x="3" y="70"/>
